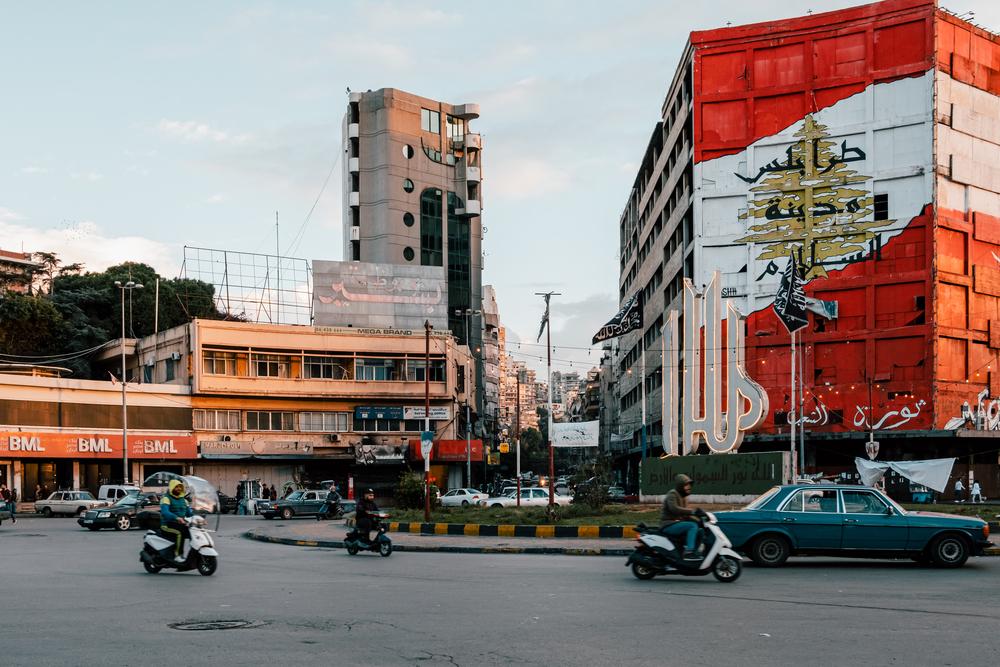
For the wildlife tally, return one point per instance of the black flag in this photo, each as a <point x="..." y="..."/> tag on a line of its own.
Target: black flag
<point x="790" y="301"/>
<point x="629" y="318"/>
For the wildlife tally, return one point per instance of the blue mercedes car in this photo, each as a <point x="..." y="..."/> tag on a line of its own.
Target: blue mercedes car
<point x="846" y="520"/>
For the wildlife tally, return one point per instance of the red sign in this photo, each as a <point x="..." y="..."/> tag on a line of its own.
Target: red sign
<point x="82" y="445"/>
<point x="448" y="450"/>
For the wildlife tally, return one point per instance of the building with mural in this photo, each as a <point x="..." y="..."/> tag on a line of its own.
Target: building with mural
<point x="860" y="146"/>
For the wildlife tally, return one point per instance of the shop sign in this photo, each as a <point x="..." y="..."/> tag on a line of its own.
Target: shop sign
<point x="255" y="448"/>
<point x="732" y="474"/>
<point x="441" y="413"/>
<point x="92" y="445"/>
<point x="372" y="454"/>
<point x="373" y="412"/>
<point x="448" y="451"/>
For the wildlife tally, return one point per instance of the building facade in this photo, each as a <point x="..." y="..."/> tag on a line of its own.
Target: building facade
<point x="857" y="145"/>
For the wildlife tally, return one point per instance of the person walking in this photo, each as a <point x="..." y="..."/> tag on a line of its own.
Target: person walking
<point x="13" y="504"/>
<point x="273" y="493"/>
<point x="976" y="494"/>
<point x="959" y="491"/>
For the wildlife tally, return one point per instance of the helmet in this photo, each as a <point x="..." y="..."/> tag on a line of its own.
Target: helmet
<point x="176" y="488"/>
<point x="371" y="491"/>
<point x="682" y="480"/>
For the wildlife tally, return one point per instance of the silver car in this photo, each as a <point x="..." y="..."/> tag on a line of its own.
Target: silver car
<point x="68" y="502"/>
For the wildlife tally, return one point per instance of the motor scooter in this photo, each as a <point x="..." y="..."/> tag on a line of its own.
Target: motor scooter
<point x="657" y="554"/>
<point x="331" y="508"/>
<point x="199" y="551"/>
<point x="356" y="542"/>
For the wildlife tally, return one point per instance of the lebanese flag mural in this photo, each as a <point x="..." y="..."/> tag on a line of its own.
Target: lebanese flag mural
<point x="814" y="141"/>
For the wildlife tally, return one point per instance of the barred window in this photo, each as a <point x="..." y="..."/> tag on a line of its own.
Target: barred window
<point x="218" y="362"/>
<point x="327" y="422"/>
<point x="270" y="365"/>
<point x="328" y="368"/>
<point x="270" y="421"/>
<point x="361" y="425"/>
<point x="217" y="420"/>
<point x="415" y="370"/>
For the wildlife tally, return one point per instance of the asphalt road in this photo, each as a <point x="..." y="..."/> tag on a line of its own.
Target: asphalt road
<point x="72" y="597"/>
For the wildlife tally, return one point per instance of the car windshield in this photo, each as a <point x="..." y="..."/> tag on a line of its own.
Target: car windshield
<point x="759" y="501"/>
<point x="892" y="502"/>
<point x="128" y="501"/>
<point x="85" y="495"/>
<point x="295" y="495"/>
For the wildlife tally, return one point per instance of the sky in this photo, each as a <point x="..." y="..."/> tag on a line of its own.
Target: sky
<point x="130" y="130"/>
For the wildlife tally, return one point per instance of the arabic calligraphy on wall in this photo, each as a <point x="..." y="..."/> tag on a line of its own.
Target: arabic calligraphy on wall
<point x="984" y="417"/>
<point x="814" y="204"/>
<point x="890" y="420"/>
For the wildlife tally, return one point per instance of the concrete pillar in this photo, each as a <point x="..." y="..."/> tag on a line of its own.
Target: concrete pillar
<point x="76" y="474"/>
<point x="17" y="480"/>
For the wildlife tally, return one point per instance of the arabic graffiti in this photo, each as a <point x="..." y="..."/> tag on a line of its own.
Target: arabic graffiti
<point x="814" y="204"/>
<point x="985" y="416"/>
<point x="419" y="297"/>
<point x="819" y="416"/>
<point x="892" y="419"/>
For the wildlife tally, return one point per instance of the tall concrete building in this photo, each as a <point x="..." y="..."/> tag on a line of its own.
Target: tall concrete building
<point x="412" y="180"/>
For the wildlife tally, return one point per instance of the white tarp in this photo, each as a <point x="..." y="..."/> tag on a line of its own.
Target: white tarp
<point x="576" y="434"/>
<point x="932" y="473"/>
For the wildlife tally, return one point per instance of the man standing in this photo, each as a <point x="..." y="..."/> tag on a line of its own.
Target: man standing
<point x="976" y="494"/>
<point x="959" y="490"/>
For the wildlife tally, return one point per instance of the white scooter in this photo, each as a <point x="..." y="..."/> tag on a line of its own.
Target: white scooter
<point x="657" y="554"/>
<point x="199" y="551"/>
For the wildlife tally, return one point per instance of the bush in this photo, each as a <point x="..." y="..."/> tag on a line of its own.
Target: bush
<point x="410" y="491"/>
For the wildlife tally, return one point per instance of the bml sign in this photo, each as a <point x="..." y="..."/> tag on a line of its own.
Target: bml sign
<point x="746" y="404"/>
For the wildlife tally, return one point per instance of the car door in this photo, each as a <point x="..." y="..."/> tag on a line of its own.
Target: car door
<point x="811" y="516"/>
<point x="448" y="499"/>
<point x="310" y="502"/>
<point x="540" y="497"/>
<point x="870" y="523"/>
<point x="526" y="499"/>
<point x="62" y="505"/>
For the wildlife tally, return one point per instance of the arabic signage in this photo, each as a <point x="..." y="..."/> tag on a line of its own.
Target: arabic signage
<point x="83" y="445"/>
<point x="373" y="412"/>
<point x="629" y="318"/>
<point x="576" y="434"/>
<point x="248" y="448"/>
<point x="985" y="416"/>
<point x="446" y="451"/>
<point x="441" y="413"/>
<point x="734" y="474"/>
<point x="379" y="297"/>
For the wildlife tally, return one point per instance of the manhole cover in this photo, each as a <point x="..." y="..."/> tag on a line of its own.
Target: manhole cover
<point x="215" y="625"/>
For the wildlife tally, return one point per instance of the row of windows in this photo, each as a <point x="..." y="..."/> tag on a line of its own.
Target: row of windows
<point x="312" y="422"/>
<point x="313" y="367"/>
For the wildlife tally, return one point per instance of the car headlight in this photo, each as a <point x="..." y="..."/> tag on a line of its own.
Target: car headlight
<point x="103" y="515"/>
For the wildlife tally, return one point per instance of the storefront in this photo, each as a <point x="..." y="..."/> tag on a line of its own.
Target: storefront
<point x="61" y="459"/>
<point x="449" y="459"/>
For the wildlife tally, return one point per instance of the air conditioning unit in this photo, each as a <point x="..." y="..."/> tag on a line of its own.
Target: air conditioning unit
<point x="176" y="356"/>
<point x="224" y="438"/>
<point x="333" y="437"/>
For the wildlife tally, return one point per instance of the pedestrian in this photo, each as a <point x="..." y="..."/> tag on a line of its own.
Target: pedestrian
<point x="13" y="504"/>
<point x="976" y="495"/>
<point x="273" y="493"/>
<point x="38" y="492"/>
<point x="959" y="490"/>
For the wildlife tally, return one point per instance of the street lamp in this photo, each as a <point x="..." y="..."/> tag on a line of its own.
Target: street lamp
<point x="467" y="313"/>
<point x="127" y="286"/>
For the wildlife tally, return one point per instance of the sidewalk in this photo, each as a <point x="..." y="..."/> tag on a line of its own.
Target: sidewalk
<point x="330" y="535"/>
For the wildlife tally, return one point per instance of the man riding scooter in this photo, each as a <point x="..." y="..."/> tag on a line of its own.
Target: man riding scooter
<point x="174" y="511"/>
<point x="365" y="514"/>
<point x="679" y="520"/>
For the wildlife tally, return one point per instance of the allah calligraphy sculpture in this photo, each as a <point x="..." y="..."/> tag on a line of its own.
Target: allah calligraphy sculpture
<point x="703" y="415"/>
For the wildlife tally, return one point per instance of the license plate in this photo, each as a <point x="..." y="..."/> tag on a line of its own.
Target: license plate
<point x="88" y="521"/>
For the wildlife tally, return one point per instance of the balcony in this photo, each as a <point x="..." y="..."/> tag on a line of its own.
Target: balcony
<point x="353" y="166"/>
<point x="463" y="172"/>
<point x="474" y="142"/>
<point x="468" y="111"/>
<point x="354" y="199"/>
<point x="472" y="207"/>
<point x="352" y="131"/>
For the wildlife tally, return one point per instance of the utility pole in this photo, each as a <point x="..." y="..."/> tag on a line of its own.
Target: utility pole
<point x="129" y="286"/>
<point x="517" y="435"/>
<point x="548" y="353"/>
<point x="427" y="418"/>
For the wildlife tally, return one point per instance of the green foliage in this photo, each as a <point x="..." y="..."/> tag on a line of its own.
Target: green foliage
<point x="410" y="491"/>
<point x="593" y="494"/>
<point x="29" y="325"/>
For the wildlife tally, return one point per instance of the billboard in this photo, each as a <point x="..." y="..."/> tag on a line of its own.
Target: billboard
<point x="379" y="296"/>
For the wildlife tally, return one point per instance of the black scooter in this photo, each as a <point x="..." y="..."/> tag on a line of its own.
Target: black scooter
<point x="356" y="542"/>
<point x="330" y="509"/>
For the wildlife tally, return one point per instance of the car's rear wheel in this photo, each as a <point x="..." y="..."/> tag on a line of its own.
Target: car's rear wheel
<point x="770" y="551"/>
<point x="949" y="551"/>
<point x="496" y="505"/>
<point x="123" y="522"/>
<point x="643" y="572"/>
<point x="726" y="569"/>
<point x="287" y="513"/>
<point x="47" y="512"/>
<point x="465" y="503"/>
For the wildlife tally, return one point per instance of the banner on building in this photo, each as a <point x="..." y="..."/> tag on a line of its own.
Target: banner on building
<point x="790" y="301"/>
<point x="250" y="448"/>
<point x="732" y="474"/>
<point x="629" y="318"/>
<point x="379" y="454"/>
<point x="576" y="434"/>
<point x="451" y="451"/>
<point x="90" y="445"/>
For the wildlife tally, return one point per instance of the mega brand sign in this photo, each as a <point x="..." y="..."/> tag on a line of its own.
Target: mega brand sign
<point x="26" y="444"/>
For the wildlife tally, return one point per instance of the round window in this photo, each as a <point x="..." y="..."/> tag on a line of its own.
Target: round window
<point x="408" y="219"/>
<point x="408" y="254"/>
<point x="408" y="185"/>
<point x="407" y="151"/>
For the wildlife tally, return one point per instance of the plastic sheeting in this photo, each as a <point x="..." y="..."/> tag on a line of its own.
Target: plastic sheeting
<point x="932" y="473"/>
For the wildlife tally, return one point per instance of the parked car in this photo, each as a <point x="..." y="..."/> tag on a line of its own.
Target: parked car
<point x="114" y="492"/>
<point x="531" y="497"/>
<point x="848" y="520"/>
<point x="68" y="502"/>
<point x="616" y="494"/>
<point x="462" y="497"/>
<point x="136" y="510"/>
<point x="4" y="514"/>
<point x="298" y="503"/>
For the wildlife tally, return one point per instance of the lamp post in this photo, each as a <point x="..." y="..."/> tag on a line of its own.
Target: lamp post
<point x="123" y="287"/>
<point x="467" y="314"/>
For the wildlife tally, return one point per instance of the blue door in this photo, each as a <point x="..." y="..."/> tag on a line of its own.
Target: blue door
<point x="811" y="517"/>
<point x="870" y="523"/>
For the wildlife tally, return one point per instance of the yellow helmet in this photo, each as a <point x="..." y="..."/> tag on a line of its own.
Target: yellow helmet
<point x="176" y="488"/>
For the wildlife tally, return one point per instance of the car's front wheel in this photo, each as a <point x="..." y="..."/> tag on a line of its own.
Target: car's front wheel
<point x="287" y="513"/>
<point x="949" y="551"/>
<point x="123" y="522"/>
<point x="47" y="512"/>
<point x="770" y="551"/>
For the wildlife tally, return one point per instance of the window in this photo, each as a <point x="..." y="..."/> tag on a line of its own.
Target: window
<point x="407" y="185"/>
<point x="862" y="502"/>
<point x="362" y="425"/>
<point x="415" y="370"/>
<point x="217" y="362"/>
<point x="270" y="365"/>
<point x="327" y="368"/>
<point x="430" y="121"/>
<point x="168" y="365"/>
<point x="881" y="207"/>
<point x="432" y="153"/>
<point x="431" y="224"/>
<point x="408" y="219"/>
<point x="407" y="151"/>
<point x="270" y="421"/>
<point x="812" y="500"/>
<point x="217" y="420"/>
<point x="327" y="422"/>
<point x="455" y="127"/>
<point x="147" y="374"/>
<point x="459" y="266"/>
<point x="378" y="369"/>
<point x="408" y="254"/>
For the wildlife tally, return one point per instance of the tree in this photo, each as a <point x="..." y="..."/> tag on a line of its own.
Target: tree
<point x="30" y="326"/>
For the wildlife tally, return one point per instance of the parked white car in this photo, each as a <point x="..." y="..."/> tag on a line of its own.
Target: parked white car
<point x="462" y="498"/>
<point x="68" y="502"/>
<point x="533" y="497"/>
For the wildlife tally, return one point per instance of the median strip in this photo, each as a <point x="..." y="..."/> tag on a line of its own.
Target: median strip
<point x="507" y="530"/>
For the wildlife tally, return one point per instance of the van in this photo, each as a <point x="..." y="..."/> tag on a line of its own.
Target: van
<point x="112" y="493"/>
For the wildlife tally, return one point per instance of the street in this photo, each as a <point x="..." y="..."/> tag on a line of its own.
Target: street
<point x="70" y="596"/>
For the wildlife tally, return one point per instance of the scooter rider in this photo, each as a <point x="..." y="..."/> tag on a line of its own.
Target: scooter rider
<point x="174" y="510"/>
<point x="364" y="514"/>
<point x="678" y="519"/>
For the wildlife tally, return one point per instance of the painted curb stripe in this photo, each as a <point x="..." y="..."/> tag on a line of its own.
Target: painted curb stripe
<point x="508" y="530"/>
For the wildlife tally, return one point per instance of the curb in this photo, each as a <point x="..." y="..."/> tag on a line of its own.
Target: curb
<point x="337" y="544"/>
<point x="513" y="530"/>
